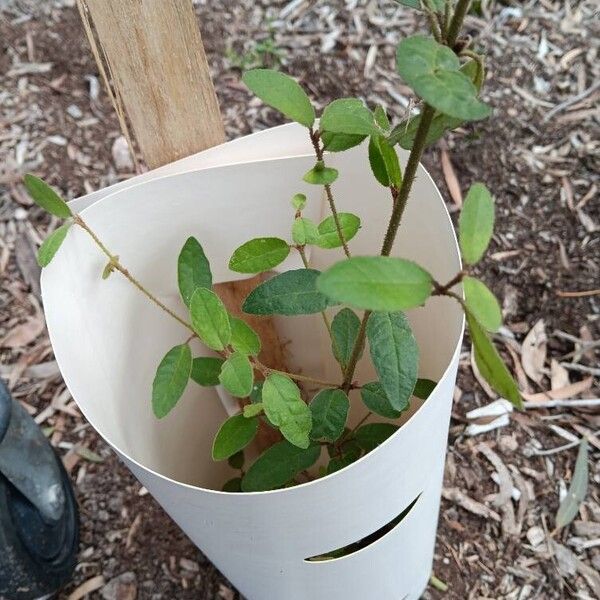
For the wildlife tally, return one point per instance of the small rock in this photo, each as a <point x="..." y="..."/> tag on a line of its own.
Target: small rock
<point x="508" y="444"/>
<point x="121" y="155"/>
<point x="123" y="587"/>
<point x="74" y="111"/>
<point x="535" y="535"/>
<point x="189" y="565"/>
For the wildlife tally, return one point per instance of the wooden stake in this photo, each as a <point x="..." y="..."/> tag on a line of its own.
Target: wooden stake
<point x="154" y="55"/>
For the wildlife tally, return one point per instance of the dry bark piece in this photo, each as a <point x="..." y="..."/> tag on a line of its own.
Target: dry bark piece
<point x="533" y="355"/>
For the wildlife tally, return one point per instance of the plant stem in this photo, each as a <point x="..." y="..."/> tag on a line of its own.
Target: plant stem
<point x="314" y="138"/>
<point x="114" y="261"/>
<point x="462" y="6"/>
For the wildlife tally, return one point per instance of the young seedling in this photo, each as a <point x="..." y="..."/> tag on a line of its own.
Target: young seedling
<point x="447" y="76"/>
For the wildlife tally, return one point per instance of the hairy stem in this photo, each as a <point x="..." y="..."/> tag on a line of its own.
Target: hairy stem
<point x="314" y="138"/>
<point x="460" y="12"/>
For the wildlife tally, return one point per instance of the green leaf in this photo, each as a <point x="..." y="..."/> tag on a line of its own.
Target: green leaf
<point x="243" y="338"/>
<point x="256" y="393"/>
<point x="237" y="375"/>
<point x="278" y="465"/>
<point x="433" y="71"/>
<point x="328" y="233"/>
<point x="476" y="223"/>
<point x="490" y="364"/>
<point x="376" y="400"/>
<point x="381" y="117"/>
<point x="423" y="388"/>
<point x="439" y="4"/>
<point x="329" y="410"/>
<point x="210" y="319"/>
<point x="234" y="435"/>
<point x="376" y="283"/>
<point x="259" y="254"/>
<point x="482" y="303"/>
<point x="348" y="115"/>
<point x="395" y="356"/>
<point x="233" y="486"/>
<point x="299" y="201"/>
<point x="171" y="379"/>
<point x="45" y="197"/>
<point x="344" y="331"/>
<point x="51" y="244"/>
<point x="281" y="92"/>
<point x="321" y="175"/>
<point x="289" y="293"/>
<point x="338" y="142"/>
<point x="206" y="369"/>
<point x="304" y="231"/>
<point x="236" y="461"/>
<point x="371" y="435"/>
<point x="384" y="162"/>
<point x="285" y="408"/>
<point x="569" y="507"/>
<point x="253" y="410"/>
<point x="193" y="270"/>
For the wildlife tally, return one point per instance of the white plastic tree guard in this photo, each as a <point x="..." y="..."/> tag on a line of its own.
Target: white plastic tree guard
<point x="108" y="340"/>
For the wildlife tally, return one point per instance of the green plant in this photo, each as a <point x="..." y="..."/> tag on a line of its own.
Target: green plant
<point x="447" y="75"/>
<point x="257" y="53"/>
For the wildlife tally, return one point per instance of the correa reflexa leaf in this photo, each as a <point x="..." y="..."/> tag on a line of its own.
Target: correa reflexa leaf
<point x="339" y="142"/>
<point x="234" y="435"/>
<point x="233" y="485"/>
<point x="433" y="71"/>
<point x="381" y="283"/>
<point x="569" y="507"/>
<point x="278" y="465"/>
<point x="210" y="319"/>
<point x="304" y="231"/>
<point x="171" y="379"/>
<point x="395" y="356"/>
<point x="490" y="364"/>
<point x="376" y="400"/>
<point x="193" y="270"/>
<point x="482" y="303"/>
<point x="321" y="175"/>
<point x="476" y="223"/>
<point x="253" y="410"/>
<point x="243" y="338"/>
<point x="329" y="410"/>
<point x="423" y="388"/>
<point x="237" y="375"/>
<point x="349" y="116"/>
<point x="371" y="435"/>
<point x="281" y="92"/>
<point x="299" y="201"/>
<point x="290" y="293"/>
<point x="51" y="245"/>
<point x="206" y="369"/>
<point x="384" y="162"/>
<point x="344" y="331"/>
<point x="285" y="408"/>
<point x="259" y="254"/>
<point x="236" y="461"/>
<point x="45" y="197"/>
<point x="329" y="236"/>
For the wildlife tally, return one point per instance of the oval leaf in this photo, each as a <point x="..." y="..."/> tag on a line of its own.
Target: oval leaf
<point x="299" y="201"/>
<point x="289" y="293"/>
<point x="206" y="369"/>
<point x="376" y="283"/>
<point x="371" y="435"/>
<point x="259" y="254"/>
<point x="329" y="410"/>
<point x="253" y="410"/>
<point x="193" y="270"/>
<point x="304" y="231"/>
<point x="237" y="375"/>
<point x="321" y="175"/>
<point x="395" y="356"/>
<point x="482" y="303"/>
<point x="376" y="400"/>
<point x="328" y="233"/>
<point x="339" y="142"/>
<point x="278" y="465"/>
<point x="45" y="197"/>
<point x="490" y="364"/>
<point x="384" y="162"/>
<point x="171" y="379"/>
<point x="423" y="388"/>
<point x="344" y="331"/>
<point x="433" y="71"/>
<point x="234" y="435"/>
<point x="281" y="92"/>
<point x="210" y="319"/>
<point x="243" y="338"/>
<point x="476" y="223"/>
<point x="349" y="116"/>
<point x="51" y="245"/>
<point x="285" y="408"/>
